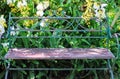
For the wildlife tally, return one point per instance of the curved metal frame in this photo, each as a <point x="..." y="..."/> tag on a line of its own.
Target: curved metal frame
<point x="118" y="44"/>
<point x="59" y="18"/>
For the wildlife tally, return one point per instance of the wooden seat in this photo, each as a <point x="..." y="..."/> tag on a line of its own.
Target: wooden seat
<point x="59" y="53"/>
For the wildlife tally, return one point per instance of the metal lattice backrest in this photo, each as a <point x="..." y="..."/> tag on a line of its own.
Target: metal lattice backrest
<point x="55" y="31"/>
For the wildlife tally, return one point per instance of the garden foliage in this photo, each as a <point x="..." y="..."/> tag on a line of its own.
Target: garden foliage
<point x="86" y="9"/>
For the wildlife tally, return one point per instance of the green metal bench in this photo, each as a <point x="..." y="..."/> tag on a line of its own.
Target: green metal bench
<point x="61" y="29"/>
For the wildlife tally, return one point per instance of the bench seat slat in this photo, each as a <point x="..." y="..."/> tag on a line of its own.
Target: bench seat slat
<point x="59" y="53"/>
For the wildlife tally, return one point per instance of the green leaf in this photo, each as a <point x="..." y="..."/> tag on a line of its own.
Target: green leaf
<point x="85" y="41"/>
<point x="69" y="2"/>
<point x="80" y="67"/>
<point x="96" y="76"/>
<point x="24" y="65"/>
<point x="40" y="75"/>
<point x="35" y="62"/>
<point x="23" y="72"/>
<point x="70" y="9"/>
<point x="72" y="75"/>
<point x="32" y="75"/>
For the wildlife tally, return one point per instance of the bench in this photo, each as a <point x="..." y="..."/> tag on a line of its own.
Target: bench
<point x="71" y="29"/>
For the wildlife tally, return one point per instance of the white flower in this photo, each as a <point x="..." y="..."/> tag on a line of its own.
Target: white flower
<point x="2" y="30"/>
<point x="40" y="6"/>
<point x="19" y="4"/>
<point x="96" y="13"/>
<point x="13" y="32"/>
<point x="96" y="6"/>
<point x="22" y="3"/>
<point x="2" y="25"/>
<point x="43" y="5"/>
<point x="100" y="13"/>
<point x="40" y="13"/>
<point x="5" y="45"/>
<point x="10" y="1"/>
<point x="43" y="22"/>
<point x="2" y="19"/>
<point x="103" y="5"/>
<point x="103" y="15"/>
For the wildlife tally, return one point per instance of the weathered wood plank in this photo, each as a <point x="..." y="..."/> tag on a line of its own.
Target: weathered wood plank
<point x="59" y="53"/>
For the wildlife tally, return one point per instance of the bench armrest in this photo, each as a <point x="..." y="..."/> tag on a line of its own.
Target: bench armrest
<point x="116" y="35"/>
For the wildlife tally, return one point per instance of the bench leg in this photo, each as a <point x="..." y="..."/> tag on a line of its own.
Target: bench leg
<point x="110" y="70"/>
<point x="7" y="70"/>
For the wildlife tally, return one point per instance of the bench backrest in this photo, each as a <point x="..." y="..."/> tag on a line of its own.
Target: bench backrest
<point x="56" y="32"/>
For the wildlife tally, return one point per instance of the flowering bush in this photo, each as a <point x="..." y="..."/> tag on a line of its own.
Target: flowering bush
<point x="94" y="9"/>
<point x="25" y="8"/>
